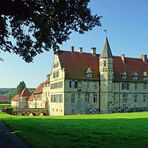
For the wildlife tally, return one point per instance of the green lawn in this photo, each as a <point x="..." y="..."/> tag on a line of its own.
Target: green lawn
<point x="5" y="105"/>
<point x="124" y="130"/>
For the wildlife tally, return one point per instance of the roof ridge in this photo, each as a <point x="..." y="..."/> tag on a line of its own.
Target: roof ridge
<point x="78" y="52"/>
<point x="127" y="57"/>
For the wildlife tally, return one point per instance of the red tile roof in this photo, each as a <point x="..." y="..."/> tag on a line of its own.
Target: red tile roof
<point x="38" y="90"/>
<point x="131" y="66"/>
<point x="4" y="99"/>
<point x="15" y="98"/>
<point x="24" y="93"/>
<point x="31" y="97"/>
<point x="76" y="65"/>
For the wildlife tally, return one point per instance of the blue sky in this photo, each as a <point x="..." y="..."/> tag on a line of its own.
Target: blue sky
<point x="127" y="25"/>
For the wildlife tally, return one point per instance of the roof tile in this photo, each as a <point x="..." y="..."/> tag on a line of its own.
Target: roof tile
<point x="15" y="98"/>
<point x="76" y="65"/>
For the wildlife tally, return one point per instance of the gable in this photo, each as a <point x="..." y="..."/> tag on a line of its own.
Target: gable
<point x="38" y="90"/>
<point x="25" y="93"/>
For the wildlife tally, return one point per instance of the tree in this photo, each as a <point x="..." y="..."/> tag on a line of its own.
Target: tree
<point x="28" y="27"/>
<point x="10" y="95"/>
<point x="21" y="86"/>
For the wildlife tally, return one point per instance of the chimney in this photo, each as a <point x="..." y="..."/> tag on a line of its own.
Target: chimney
<point x="93" y="51"/>
<point x="145" y="73"/>
<point x="80" y="50"/>
<point x="123" y="58"/>
<point x="72" y="48"/>
<point x="144" y="58"/>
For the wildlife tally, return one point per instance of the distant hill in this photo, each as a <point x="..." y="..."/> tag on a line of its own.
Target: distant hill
<point x="10" y="92"/>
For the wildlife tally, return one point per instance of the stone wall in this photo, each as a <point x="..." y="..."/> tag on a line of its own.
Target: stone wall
<point x="75" y="98"/>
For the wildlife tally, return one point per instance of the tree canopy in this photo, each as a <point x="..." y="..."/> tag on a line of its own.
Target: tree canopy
<point x="28" y="27"/>
<point x="21" y="86"/>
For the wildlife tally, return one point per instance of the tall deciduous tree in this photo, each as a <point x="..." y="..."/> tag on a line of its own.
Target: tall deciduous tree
<point x="28" y="27"/>
<point x="21" y="86"/>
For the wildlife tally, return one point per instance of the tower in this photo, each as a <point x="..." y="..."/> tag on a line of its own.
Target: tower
<point x="106" y="77"/>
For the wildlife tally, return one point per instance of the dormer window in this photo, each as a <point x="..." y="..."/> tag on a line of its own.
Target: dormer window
<point x="145" y="76"/>
<point x="89" y="73"/>
<point x="135" y="76"/>
<point x="124" y="76"/>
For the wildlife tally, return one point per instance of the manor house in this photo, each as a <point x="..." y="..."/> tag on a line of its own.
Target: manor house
<point x="82" y="82"/>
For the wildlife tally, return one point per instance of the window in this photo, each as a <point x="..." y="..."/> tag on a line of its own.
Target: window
<point x="109" y="104"/>
<point x="124" y="76"/>
<point x="72" y="98"/>
<point x="87" y="97"/>
<point x="113" y="76"/>
<point x="144" y="85"/>
<point x="58" y="98"/>
<point x="95" y="85"/>
<point x="135" y="76"/>
<point x="116" y="98"/>
<point x="136" y="85"/>
<point x="69" y="84"/>
<point x="125" y="86"/>
<point x="56" y="85"/>
<point x="124" y="101"/>
<point x="144" y="98"/>
<point x="104" y="64"/>
<point x="135" y="98"/>
<point x="56" y="74"/>
<point x="89" y="73"/>
<point x="52" y="98"/>
<point x="124" y="98"/>
<point x="45" y="94"/>
<point x="73" y="84"/>
<point x="55" y="98"/>
<point x="80" y="84"/>
<point x="145" y="76"/>
<point x="56" y="65"/>
<point x="87" y="84"/>
<point x="95" y="98"/>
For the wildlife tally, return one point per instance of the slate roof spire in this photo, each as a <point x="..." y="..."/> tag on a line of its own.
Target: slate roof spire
<point x="106" y="51"/>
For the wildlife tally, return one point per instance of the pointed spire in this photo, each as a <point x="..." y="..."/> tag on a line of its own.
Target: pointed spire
<point x="106" y="51"/>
